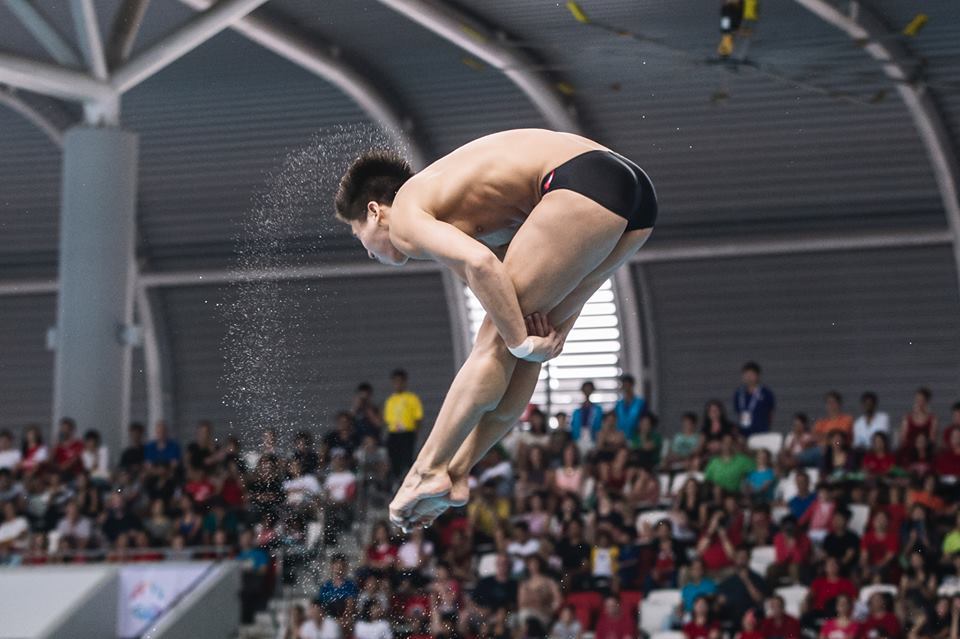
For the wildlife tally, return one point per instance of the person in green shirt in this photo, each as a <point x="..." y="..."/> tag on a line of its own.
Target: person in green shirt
<point x="729" y="469"/>
<point x="951" y="542"/>
<point x="648" y="442"/>
<point x="684" y="445"/>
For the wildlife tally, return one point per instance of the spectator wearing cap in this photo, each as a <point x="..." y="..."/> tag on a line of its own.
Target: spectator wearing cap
<point x="402" y="414"/>
<point x="753" y="403"/>
<point x="629" y="407"/>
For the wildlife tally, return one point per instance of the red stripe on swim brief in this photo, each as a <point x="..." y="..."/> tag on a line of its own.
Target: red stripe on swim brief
<point x="546" y="185"/>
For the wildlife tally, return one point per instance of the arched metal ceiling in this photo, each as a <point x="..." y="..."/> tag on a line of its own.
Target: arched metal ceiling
<point x="745" y="151"/>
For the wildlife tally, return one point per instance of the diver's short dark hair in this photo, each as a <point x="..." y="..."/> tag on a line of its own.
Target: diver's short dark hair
<point x="374" y="176"/>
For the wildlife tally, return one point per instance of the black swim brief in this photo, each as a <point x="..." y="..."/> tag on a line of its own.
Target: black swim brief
<point x="610" y="180"/>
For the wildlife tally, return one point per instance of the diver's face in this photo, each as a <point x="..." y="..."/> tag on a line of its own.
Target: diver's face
<point x="374" y="233"/>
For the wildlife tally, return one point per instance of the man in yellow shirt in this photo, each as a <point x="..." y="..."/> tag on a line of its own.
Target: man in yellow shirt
<point x="402" y="413"/>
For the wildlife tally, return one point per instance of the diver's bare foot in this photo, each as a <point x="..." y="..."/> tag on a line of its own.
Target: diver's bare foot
<point x="426" y="511"/>
<point x="459" y="491"/>
<point x="415" y="488"/>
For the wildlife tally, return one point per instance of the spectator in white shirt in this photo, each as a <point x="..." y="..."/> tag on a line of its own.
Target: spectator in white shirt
<point x="372" y="625"/>
<point x="96" y="458"/>
<point x="300" y="488"/>
<point x="522" y="547"/>
<point x="870" y="422"/>
<point x="9" y="456"/>
<point x="320" y="625"/>
<point x="74" y="528"/>
<point x="340" y="484"/>
<point x="415" y="553"/>
<point x="14" y="529"/>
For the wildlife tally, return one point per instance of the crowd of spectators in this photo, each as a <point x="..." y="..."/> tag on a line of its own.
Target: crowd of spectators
<point x="846" y="528"/>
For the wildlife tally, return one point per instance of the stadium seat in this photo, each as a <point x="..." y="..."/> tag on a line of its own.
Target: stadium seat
<point x="664" y="486"/>
<point x="669" y="596"/>
<point x="859" y="515"/>
<point x="793" y="597"/>
<point x="630" y="601"/>
<point x="868" y="591"/>
<point x="586" y="607"/>
<point x="777" y="513"/>
<point x="948" y="590"/>
<point x="787" y="488"/>
<point x="651" y="517"/>
<point x="668" y="634"/>
<point x="680" y="479"/>
<point x="760" y="559"/>
<point x="487" y="566"/>
<point x="773" y="442"/>
<point x="653" y="614"/>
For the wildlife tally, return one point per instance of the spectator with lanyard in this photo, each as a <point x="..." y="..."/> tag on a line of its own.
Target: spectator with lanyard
<point x="753" y="402"/>
<point x="588" y="417"/>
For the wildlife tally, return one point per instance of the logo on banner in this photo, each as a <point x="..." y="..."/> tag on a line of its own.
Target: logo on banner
<point x="147" y="600"/>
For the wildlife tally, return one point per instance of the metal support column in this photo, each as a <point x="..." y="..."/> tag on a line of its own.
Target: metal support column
<point x="97" y="275"/>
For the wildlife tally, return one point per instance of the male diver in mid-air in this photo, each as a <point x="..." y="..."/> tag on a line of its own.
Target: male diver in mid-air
<point x="534" y="221"/>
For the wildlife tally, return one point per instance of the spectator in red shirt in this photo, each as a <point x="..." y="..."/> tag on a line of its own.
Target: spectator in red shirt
<point x="34" y="455"/>
<point x="381" y="553"/>
<point x="948" y="462"/>
<point x="198" y="486"/>
<point x="842" y="626"/>
<point x="954" y="424"/>
<point x="880" y="622"/>
<point x="717" y="547"/>
<point x="614" y="623"/>
<point x="792" y="550"/>
<point x="825" y="589"/>
<point x="749" y="626"/>
<point x="67" y="454"/>
<point x="879" y="460"/>
<point x="778" y="624"/>
<point x="701" y="626"/>
<point x="879" y="548"/>
<point x="231" y="490"/>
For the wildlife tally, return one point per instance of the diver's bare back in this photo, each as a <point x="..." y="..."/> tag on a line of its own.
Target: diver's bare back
<point x="487" y="187"/>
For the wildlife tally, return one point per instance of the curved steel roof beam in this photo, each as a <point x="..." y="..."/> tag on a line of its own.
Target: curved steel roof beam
<point x="322" y="61"/>
<point x="176" y="45"/>
<point x="43" y="31"/>
<point x="863" y="26"/>
<point x="452" y="25"/>
<point x="10" y="98"/>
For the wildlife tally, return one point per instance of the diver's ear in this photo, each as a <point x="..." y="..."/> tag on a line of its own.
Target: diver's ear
<point x="373" y="209"/>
